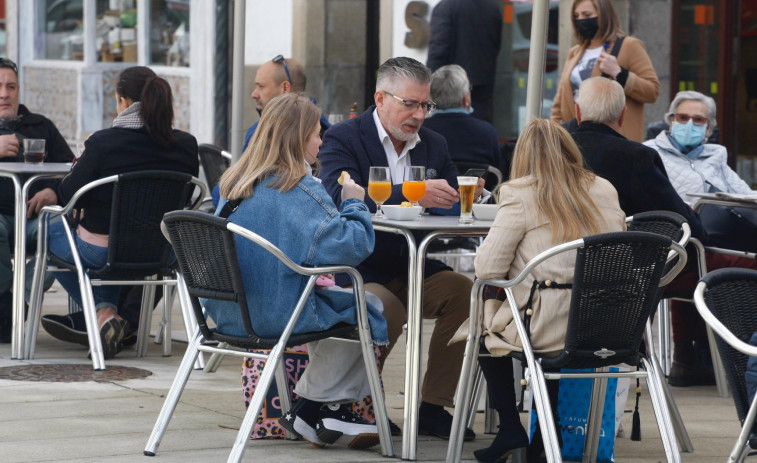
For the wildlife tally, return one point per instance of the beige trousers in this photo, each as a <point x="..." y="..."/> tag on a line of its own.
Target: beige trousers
<point x="446" y="298"/>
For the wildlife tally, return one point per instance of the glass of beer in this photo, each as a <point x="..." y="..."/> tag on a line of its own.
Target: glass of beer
<point x="379" y="188"/>
<point x="467" y="194"/>
<point x="34" y="150"/>
<point x="414" y="184"/>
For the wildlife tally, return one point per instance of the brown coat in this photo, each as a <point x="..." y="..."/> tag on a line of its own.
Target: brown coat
<point x="642" y="86"/>
<point x="516" y="237"/>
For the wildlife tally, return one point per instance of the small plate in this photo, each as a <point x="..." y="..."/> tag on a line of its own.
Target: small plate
<point x="396" y="212"/>
<point x="485" y="211"/>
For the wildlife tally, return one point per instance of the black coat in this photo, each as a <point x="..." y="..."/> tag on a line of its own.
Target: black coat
<point x="636" y="171"/>
<point x="30" y="125"/>
<point x="468" y="139"/>
<point x="467" y="33"/>
<point x="117" y="150"/>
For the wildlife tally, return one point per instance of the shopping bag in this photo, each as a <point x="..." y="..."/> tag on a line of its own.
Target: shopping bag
<point x="573" y="408"/>
<point x="295" y="362"/>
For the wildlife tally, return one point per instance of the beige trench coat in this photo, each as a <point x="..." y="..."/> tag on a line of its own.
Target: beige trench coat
<point x="517" y="236"/>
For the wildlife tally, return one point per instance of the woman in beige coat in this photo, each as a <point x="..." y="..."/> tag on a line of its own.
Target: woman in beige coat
<point x="597" y="28"/>
<point x="551" y="199"/>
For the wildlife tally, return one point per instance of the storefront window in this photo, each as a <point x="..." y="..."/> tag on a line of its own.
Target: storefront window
<point x="169" y="32"/>
<point x="116" y="31"/>
<point x="60" y="25"/>
<point x="3" y="41"/>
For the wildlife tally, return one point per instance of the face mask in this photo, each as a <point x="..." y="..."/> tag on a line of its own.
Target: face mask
<point x="688" y="135"/>
<point x="587" y="28"/>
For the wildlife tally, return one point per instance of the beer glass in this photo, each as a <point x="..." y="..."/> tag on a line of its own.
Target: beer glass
<point x="379" y="188"/>
<point x="467" y="195"/>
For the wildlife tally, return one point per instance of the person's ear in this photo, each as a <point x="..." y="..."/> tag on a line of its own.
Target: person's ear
<point x="622" y="116"/>
<point x="466" y="100"/>
<point x="378" y="98"/>
<point x="286" y="87"/>
<point x="578" y="113"/>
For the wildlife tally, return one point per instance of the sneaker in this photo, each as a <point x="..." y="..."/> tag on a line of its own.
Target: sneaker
<point x="111" y="336"/>
<point x="68" y="328"/>
<point x="301" y="420"/>
<point x="434" y="420"/>
<point x="337" y="422"/>
<point x="394" y="429"/>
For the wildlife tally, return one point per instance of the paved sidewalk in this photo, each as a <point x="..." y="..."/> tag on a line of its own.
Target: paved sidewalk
<point x="110" y="421"/>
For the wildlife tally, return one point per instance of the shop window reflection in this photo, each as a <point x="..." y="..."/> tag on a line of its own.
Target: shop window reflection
<point x="169" y="32"/>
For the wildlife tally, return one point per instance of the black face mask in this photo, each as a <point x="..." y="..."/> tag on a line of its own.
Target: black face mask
<point x="587" y="28"/>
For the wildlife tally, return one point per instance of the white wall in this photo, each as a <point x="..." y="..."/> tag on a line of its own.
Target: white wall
<point x="269" y="30"/>
<point x="399" y="29"/>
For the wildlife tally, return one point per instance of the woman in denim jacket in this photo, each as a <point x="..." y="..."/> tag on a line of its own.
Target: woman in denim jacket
<point x="289" y="208"/>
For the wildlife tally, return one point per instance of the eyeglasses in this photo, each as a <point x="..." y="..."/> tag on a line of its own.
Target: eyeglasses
<point x="685" y="118"/>
<point x="6" y="63"/>
<point x="411" y="105"/>
<point x="280" y="59"/>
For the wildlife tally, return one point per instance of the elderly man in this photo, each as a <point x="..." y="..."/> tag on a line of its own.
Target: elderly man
<point x="274" y="78"/>
<point x="17" y="123"/>
<point x="468" y="139"/>
<point x="391" y="134"/>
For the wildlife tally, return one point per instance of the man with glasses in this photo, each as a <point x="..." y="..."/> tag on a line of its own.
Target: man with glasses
<point x="17" y="123"/>
<point x="391" y="134"/>
<point x="274" y="78"/>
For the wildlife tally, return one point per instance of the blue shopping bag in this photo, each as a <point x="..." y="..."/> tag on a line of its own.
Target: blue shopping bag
<point x="573" y="407"/>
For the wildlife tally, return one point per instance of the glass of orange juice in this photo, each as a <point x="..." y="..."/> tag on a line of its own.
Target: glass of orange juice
<point x="379" y="187"/>
<point x="414" y="184"/>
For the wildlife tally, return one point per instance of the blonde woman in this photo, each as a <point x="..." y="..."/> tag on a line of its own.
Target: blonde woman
<point x="603" y="49"/>
<point x="550" y="199"/>
<point x="270" y="193"/>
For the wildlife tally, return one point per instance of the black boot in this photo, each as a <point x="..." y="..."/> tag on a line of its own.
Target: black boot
<point x="687" y="368"/>
<point x="498" y="372"/>
<point x="535" y="452"/>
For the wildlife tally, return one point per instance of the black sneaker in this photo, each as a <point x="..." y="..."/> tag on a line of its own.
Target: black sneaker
<point x="111" y="336"/>
<point x="434" y="420"/>
<point x="394" y="429"/>
<point x="69" y="328"/>
<point x="337" y="422"/>
<point x="301" y="420"/>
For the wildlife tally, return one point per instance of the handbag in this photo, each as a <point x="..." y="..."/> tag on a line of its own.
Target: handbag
<point x="729" y="227"/>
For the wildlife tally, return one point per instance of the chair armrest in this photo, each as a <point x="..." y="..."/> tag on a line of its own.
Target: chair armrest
<point x="717" y="326"/>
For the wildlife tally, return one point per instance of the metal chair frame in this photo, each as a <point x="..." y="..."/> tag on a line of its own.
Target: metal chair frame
<point x="728" y="340"/>
<point x="99" y="277"/>
<point x="196" y="281"/>
<point x="465" y="390"/>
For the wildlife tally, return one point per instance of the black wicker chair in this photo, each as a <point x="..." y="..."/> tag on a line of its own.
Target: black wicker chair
<point x="614" y="291"/>
<point x="205" y="248"/>
<point x="137" y="251"/>
<point x="214" y="162"/>
<point x="727" y="300"/>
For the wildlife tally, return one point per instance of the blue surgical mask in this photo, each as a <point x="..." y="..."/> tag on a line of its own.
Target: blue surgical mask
<point x="688" y="135"/>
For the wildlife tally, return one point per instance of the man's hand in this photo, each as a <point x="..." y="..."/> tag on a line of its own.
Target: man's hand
<point x="8" y="146"/>
<point x="439" y="194"/>
<point x="43" y="198"/>
<point x="350" y="189"/>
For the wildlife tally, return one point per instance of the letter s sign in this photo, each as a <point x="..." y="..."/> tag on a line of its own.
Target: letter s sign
<point x="415" y="18"/>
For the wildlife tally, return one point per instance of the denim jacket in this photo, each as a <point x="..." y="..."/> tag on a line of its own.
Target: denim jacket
<point x="305" y="225"/>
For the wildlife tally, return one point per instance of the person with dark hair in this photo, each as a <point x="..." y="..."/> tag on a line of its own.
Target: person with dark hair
<point x="17" y="123"/>
<point x="142" y="138"/>
<point x="390" y="134"/>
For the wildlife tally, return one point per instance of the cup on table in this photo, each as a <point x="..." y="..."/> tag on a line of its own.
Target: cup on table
<point x="414" y="183"/>
<point x="379" y="187"/>
<point x="467" y="187"/>
<point x="34" y="150"/>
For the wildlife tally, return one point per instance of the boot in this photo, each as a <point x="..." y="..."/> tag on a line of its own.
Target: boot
<point x="687" y="368"/>
<point x="498" y="372"/>
<point x="535" y="452"/>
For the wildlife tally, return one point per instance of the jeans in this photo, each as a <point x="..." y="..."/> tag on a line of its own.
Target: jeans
<point x="7" y="239"/>
<point x="91" y="257"/>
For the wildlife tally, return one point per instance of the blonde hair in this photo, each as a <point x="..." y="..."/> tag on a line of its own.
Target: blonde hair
<point x="607" y="19"/>
<point x="277" y="147"/>
<point x="546" y="152"/>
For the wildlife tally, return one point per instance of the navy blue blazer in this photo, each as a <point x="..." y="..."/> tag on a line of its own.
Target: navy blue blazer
<point x="636" y="171"/>
<point x="354" y="146"/>
<point x="468" y="139"/>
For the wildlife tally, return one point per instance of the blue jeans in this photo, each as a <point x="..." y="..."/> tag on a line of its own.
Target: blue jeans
<point x="91" y="257"/>
<point x="7" y="231"/>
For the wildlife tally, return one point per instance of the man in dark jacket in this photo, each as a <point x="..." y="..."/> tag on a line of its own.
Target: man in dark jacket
<point x="469" y="140"/>
<point x="390" y="134"/>
<point x="468" y="33"/>
<point x="17" y="123"/>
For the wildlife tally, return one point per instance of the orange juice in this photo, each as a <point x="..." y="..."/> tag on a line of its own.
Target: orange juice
<point x="379" y="191"/>
<point x="413" y="191"/>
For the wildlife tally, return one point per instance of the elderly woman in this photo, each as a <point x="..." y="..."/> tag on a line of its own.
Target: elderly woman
<point x="698" y="167"/>
<point x="693" y="165"/>
<point x="603" y="49"/>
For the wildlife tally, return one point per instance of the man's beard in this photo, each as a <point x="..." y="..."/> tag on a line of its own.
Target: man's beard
<point x="399" y="134"/>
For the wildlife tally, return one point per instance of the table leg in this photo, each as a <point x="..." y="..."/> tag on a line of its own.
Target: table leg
<point x="19" y="269"/>
<point x="412" y="352"/>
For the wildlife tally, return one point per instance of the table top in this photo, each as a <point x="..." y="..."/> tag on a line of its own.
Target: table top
<point x="730" y="197"/>
<point x="43" y="168"/>
<point x="435" y="222"/>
